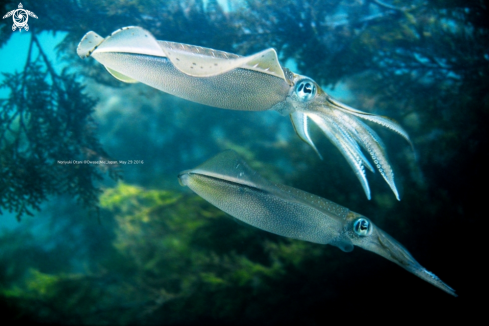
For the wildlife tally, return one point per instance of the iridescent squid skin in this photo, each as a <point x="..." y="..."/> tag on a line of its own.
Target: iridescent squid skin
<point x="227" y="182"/>
<point x="250" y="83"/>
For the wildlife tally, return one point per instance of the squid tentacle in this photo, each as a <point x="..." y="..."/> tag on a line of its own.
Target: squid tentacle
<point x="300" y="123"/>
<point x="345" y="119"/>
<point x="368" y="140"/>
<point x="354" y="138"/>
<point x="348" y="133"/>
<point x="378" y="119"/>
<point x="351" y="153"/>
<point x="351" y="124"/>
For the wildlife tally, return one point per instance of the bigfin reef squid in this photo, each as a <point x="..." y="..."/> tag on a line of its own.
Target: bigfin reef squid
<point x="249" y="83"/>
<point x="227" y="182"/>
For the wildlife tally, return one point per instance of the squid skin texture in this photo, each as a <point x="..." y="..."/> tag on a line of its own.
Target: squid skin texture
<point x="249" y="83"/>
<point x="227" y="182"/>
<point x="218" y="91"/>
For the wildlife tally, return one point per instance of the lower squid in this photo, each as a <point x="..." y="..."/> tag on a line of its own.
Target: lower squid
<point x="229" y="183"/>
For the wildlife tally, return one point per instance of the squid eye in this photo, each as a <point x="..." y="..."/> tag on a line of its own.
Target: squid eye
<point x="305" y="90"/>
<point x="362" y="227"/>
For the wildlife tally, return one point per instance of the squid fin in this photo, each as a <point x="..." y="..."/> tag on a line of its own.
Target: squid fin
<point x="130" y="40"/>
<point x="229" y="166"/>
<point x="265" y="61"/>
<point x="121" y="77"/>
<point x="191" y="60"/>
<point x="88" y="44"/>
<point x="204" y="62"/>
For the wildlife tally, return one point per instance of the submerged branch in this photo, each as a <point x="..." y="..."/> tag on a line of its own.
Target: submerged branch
<point x="44" y="121"/>
<point x="46" y="60"/>
<point x="391" y="7"/>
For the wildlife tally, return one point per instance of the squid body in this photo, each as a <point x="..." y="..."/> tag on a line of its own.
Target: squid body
<point x="227" y="182"/>
<point x="251" y="83"/>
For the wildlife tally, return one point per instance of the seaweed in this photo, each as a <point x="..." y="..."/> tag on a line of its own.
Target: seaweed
<point x="47" y="132"/>
<point x="160" y="265"/>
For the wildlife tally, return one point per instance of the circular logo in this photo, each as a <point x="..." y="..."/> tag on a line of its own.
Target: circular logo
<point x="20" y="18"/>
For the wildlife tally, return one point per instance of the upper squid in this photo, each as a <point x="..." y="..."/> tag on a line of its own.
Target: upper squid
<point x="250" y="83"/>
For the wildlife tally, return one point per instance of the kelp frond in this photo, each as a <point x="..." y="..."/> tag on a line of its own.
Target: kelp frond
<point x="46" y="123"/>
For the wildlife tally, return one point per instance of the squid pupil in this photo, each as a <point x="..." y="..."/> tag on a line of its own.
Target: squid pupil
<point x="305" y="90"/>
<point x="361" y="226"/>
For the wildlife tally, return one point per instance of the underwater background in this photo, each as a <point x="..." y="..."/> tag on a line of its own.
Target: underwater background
<point x="126" y="244"/>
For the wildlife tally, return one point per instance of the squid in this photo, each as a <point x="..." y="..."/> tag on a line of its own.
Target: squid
<point x="227" y="182"/>
<point x="250" y="83"/>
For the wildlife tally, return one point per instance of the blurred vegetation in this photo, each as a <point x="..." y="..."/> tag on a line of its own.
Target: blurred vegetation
<point x="46" y="119"/>
<point x="165" y="264"/>
<point x="160" y="255"/>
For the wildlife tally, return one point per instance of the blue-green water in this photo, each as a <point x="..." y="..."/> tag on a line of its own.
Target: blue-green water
<point x="126" y="244"/>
